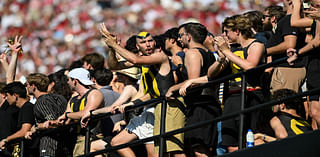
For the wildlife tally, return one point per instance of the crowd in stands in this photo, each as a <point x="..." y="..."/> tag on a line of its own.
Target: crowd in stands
<point x="68" y="61"/>
<point x="61" y="31"/>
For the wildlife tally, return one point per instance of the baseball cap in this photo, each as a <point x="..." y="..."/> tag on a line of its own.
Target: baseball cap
<point x="82" y="75"/>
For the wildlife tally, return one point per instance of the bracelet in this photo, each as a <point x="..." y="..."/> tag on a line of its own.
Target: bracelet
<point x="66" y="115"/>
<point x="137" y="101"/>
<point x="264" y="137"/>
<point x="91" y="114"/>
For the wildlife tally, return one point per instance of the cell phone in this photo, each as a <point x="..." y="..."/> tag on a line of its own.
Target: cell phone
<point x="306" y="5"/>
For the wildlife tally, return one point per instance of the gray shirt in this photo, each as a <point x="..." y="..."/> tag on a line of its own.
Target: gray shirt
<point x="109" y="97"/>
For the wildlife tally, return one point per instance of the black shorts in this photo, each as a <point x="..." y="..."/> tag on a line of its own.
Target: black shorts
<point x="202" y="108"/>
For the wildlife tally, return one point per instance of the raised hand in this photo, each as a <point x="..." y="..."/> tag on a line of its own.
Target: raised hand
<point x="314" y="13"/>
<point x="15" y="46"/>
<point x="221" y="43"/>
<point x="109" y="38"/>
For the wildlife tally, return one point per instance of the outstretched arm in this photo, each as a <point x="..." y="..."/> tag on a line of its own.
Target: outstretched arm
<point x="113" y="62"/>
<point x="296" y="20"/>
<point x="15" y="47"/>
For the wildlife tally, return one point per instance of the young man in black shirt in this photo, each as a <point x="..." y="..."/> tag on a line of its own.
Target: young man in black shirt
<point x="17" y="94"/>
<point x="286" y="36"/>
<point x="9" y="114"/>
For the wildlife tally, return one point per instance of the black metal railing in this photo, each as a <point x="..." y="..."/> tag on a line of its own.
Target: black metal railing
<point x="163" y="135"/>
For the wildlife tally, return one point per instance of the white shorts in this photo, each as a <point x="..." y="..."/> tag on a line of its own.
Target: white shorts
<point x="142" y="125"/>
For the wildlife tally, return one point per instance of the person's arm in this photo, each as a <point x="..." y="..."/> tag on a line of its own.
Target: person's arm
<point x="217" y="67"/>
<point x="4" y="62"/>
<point x="155" y="58"/>
<point x="128" y="93"/>
<point x="296" y="20"/>
<point x="289" y="42"/>
<point x="315" y="42"/>
<point x="145" y="97"/>
<point x="63" y="119"/>
<point x="278" y="128"/>
<point x="15" y="47"/>
<point x="186" y="84"/>
<point x="265" y="138"/>
<point x="21" y="133"/>
<point x="193" y="63"/>
<point x="255" y="52"/>
<point x="113" y="62"/>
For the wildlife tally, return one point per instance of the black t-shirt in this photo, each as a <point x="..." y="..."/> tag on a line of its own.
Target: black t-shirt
<point x="26" y="115"/>
<point x="283" y="29"/>
<point x="8" y="118"/>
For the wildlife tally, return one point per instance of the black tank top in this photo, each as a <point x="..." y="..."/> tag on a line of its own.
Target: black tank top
<point x="154" y="83"/>
<point x="294" y="125"/>
<point x="79" y="104"/>
<point x="208" y="59"/>
<point x="254" y="79"/>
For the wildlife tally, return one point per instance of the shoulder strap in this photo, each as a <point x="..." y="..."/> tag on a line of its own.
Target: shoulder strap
<point x="245" y="52"/>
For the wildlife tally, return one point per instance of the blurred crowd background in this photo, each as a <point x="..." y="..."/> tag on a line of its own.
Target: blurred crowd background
<point x="57" y="32"/>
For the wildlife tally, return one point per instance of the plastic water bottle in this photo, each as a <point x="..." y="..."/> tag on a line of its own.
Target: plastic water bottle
<point x="250" y="139"/>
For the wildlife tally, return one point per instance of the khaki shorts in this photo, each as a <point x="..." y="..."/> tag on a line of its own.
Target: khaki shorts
<point x="175" y="119"/>
<point x="287" y="78"/>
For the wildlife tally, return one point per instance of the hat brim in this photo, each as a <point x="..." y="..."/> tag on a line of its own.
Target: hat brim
<point x="86" y="82"/>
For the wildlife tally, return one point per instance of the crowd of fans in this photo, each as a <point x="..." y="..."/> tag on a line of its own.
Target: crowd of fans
<point x="65" y="61"/>
<point x="58" y="32"/>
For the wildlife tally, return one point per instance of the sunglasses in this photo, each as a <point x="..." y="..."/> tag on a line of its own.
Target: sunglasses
<point x="180" y="35"/>
<point x="264" y="16"/>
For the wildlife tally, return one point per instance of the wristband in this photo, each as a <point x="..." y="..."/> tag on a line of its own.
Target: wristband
<point x="5" y="140"/>
<point x="91" y="114"/>
<point x="297" y="52"/>
<point x="137" y="101"/>
<point x="36" y="126"/>
<point x="66" y="115"/>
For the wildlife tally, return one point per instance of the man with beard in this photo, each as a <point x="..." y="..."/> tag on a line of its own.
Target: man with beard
<point x="196" y="64"/>
<point x="285" y="36"/>
<point x="156" y="78"/>
<point x="272" y="15"/>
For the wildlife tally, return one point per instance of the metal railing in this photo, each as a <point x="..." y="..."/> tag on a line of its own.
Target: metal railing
<point x="163" y="135"/>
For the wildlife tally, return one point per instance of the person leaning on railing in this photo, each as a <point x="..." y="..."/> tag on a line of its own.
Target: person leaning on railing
<point x="251" y="54"/>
